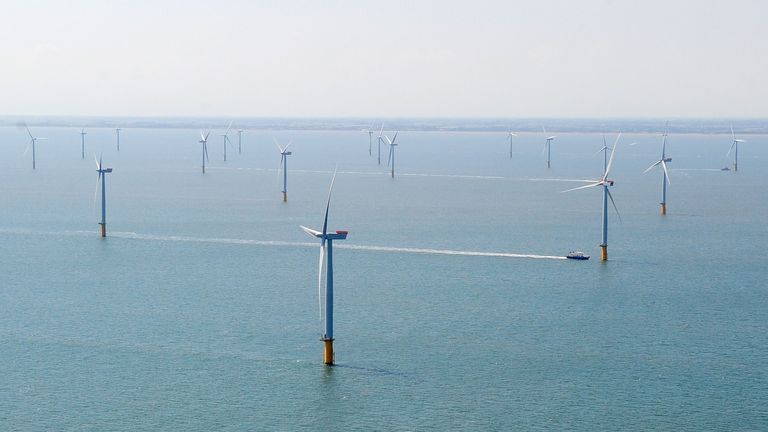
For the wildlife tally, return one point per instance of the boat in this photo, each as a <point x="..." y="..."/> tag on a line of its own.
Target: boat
<point x="576" y="255"/>
<point x="725" y="169"/>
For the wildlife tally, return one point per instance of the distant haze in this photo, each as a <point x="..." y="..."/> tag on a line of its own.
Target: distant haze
<point x="426" y="58"/>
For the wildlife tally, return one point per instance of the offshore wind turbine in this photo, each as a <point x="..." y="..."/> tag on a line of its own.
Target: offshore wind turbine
<point x="510" y="135"/>
<point x="665" y="173"/>
<point x="103" y="180"/>
<point x="369" y="131"/>
<point x="226" y="140"/>
<point x="326" y="249"/>
<point x="83" y="133"/>
<point x="380" y="141"/>
<point x="735" y="148"/>
<point x="391" y="159"/>
<point x="604" y="182"/>
<point x="284" y="153"/>
<point x="548" y="144"/>
<point x="32" y="141"/>
<point x="204" y="142"/>
<point x="117" y="132"/>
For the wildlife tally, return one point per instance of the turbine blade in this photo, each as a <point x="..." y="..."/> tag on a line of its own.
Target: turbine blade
<point x="27" y="149"/>
<point x="733" y="144"/>
<point x="96" y="191"/>
<point x="205" y="150"/>
<point x="614" y="204"/>
<point x="30" y="133"/>
<point x="394" y="138"/>
<point x="388" y="140"/>
<point x="582" y="187"/>
<point x="328" y="205"/>
<point x="98" y="166"/>
<point x="310" y="231"/>
<point x="733" y="134"/>
<point x="228" y="128"/>
<point x="600" y="151"/>
<point x="664" y="165"/>
<point x="613" y="153"/>
<point x="651" y="167"/>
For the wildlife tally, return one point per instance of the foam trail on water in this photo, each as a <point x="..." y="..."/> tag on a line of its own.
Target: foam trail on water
<point x="234" y="241"/>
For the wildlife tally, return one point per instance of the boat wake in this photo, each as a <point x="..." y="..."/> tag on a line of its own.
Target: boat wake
<point x="235" y="241"/>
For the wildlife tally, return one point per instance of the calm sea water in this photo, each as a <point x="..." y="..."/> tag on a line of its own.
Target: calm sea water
<point x="199" y="312"/>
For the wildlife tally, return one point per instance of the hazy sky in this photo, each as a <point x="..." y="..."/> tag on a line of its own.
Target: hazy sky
<point x="587" y="58"/>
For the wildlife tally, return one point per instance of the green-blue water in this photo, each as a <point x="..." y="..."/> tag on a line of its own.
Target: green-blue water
<point x="199" y="312"/>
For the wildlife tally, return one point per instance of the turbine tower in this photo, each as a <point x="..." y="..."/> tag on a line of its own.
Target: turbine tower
<point x="32" y="141"/>
<point x="735" y="149"/>
<point x="117" y="131"/>
<point x="226" y="140"/>
<point x="391" y="159"/>
<point x="83" y="133"/>
<point x="326" y="249"/>
<point x="284" y="153"/>
<point x="510" y="135"/>
<point x="204" y="142"/>
<point x="665" y="173"/>
<point x="239" y="141"/>
<point x="604" y="182"/>
<point x="380" y="141"/>
<point x="548" y="144"/>
<point x="102" y="179"/>
<point x="369" y="131"/>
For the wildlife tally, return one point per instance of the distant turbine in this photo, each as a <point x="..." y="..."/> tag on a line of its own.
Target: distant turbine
<point x="204" y="142"/>
<point x="326" y="249"/>
<point x="369" y="131"/>
<point x="735" y="147"/>
<point x="32" y="141"/>
<point x="665" y="174"/>
<point x="510" y="135"/>
<point x="226" y="140"/>
<point x="239" y="141"/>
<point x="391" y="159"/>
<point x="284" y="153"/>
<point x="83" y="133"/>
<point x="548" y="144"/>
<point x="117" y="131"/>
<point x="102" y="179"/>
<point x="380" y="141"/>
<point x="604" y="182"/>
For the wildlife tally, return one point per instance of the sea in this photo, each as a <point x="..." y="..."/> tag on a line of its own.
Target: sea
<point x="455" y="308"/>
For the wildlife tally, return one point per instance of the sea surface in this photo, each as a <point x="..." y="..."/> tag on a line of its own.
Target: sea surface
<point x="455" y="309"/>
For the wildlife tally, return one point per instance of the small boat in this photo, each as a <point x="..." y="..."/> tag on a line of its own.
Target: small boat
<point x="577" y="255"/>
<point x="725" y="169"/>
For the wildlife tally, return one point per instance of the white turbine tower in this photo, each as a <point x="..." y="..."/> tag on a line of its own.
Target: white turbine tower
<point x="510" y="135"/>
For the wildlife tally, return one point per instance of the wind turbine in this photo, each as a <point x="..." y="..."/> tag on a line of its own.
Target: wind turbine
<point x="510" y="134"/>
<point x="226" y="140"/>
<point x="369" y="131"/>
<point x="117" y="131"/>
<point x="735" y="148"/>
<point x="204" y="142"/>
<point x="326" y="249"/>
<point x="548" y="144"/>
<point x="83" y="133"/>
<point x="391" y="159"/>
<point x="102" y="179"/>
<point x="284" y="153"/>
<point x="665" y="173"/>
<point x="604" y="182"/>
<point x="380" y="140"/>
<point x="32" y="141"/>
<point x="239" y="141"/>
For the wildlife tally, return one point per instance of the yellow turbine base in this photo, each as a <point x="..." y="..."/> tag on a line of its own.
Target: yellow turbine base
<point x="663" y="209"/>
<point x="285" y="196"/>
<point x="328" y="351"/>
<point x="103" y="229"/>
<point x="603" y="252"/>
